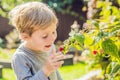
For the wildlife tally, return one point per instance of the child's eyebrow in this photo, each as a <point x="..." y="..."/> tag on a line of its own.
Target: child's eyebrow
<point x="45" y="33"/>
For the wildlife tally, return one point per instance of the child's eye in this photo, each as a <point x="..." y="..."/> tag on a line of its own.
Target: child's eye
<point x="54" y="32"/>
<point x="45" y="36"/>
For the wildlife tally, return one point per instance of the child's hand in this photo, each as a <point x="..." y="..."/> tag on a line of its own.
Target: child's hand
<point x="54" y="61"/>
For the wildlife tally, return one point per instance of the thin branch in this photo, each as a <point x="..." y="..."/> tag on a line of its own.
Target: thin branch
<point x="2" y="7"/>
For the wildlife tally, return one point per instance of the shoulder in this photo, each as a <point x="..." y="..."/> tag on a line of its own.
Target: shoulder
<point x="19" y="56"/>
<point x="20" y="60"/>
<point x="19" y="53"/>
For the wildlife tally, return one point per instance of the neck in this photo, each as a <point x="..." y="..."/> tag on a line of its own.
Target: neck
<point x="30" y="47"/>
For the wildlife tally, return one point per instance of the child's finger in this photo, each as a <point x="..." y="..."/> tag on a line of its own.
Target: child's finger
<point x="58" y="64"/>
<point x="60" y="57"/>
<point x="53" y="51"/>
<point x="52" y="54"/>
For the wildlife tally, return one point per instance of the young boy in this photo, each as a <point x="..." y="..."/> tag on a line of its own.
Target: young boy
<point x="36" y="59"/>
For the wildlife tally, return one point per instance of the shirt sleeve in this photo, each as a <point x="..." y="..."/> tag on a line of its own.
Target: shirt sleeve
<point x="22" y="69"/>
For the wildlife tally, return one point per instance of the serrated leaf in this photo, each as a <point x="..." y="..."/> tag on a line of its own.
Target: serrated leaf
<point x="115" y="28"/>
<point x="115" y="69"/>
<point x="110" y="47"/>
<point x="96" y="24"/>
<point x="80" y="39"/>
<point x="109" y="69"/>
<point x="99" y="36"/>
<point x="78" y="47"/>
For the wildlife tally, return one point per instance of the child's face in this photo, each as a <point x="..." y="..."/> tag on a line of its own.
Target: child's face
<point x="42" y="40"/>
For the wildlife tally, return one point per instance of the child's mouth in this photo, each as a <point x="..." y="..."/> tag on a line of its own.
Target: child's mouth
<point x="48" y="46"/>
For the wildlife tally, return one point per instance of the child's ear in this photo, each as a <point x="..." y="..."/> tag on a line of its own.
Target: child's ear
<point x="24" y="36"/>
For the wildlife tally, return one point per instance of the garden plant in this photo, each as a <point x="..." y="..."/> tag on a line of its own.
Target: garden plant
<point x="100" y="37"/>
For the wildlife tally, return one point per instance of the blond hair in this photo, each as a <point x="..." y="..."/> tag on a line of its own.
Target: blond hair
<point x="31" y="16"/>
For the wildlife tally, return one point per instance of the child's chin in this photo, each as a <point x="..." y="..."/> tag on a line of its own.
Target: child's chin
<point x="47" y="49"/>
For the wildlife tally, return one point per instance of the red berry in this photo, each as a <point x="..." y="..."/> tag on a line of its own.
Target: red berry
<point x="94" y="52"/>
<point x="61" y="49"/>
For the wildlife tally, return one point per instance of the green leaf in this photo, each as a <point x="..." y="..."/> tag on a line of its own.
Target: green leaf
<point x="115" y="10"/>
<point x="99" y="4"/>
<point x="96" y="24"/>
<point x="78" y="47"/>
<point x="118" y="2"/>
<point x="112" y="70"/>
<point x="99" y="36"/>
<point x="88" y="40"/>
<point x="96" y="40"/>
<point x="115" y="28"/>
<point x="80" y="39"/>
<point x="109" y="69"/>
<point x="115" y="68"/>
<point x="110" y="47"/>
